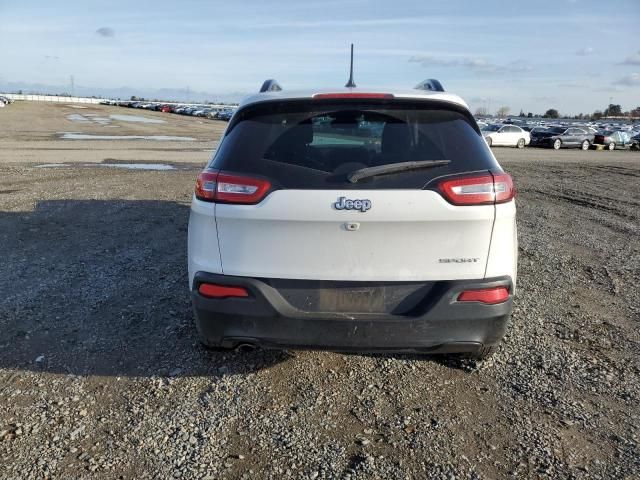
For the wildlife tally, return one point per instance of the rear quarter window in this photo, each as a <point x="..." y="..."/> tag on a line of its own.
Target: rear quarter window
<point x="315" y="145"/>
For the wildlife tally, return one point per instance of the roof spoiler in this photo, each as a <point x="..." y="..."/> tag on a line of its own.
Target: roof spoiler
<point x="430" y="84"/>
<point x="270" y="85"/>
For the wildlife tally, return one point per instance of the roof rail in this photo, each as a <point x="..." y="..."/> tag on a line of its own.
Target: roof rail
<point x="430" y="84"/>
<point x="270" y="85"/>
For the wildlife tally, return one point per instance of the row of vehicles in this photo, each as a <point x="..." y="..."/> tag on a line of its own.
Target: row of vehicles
<point x="206" y="111"/>
<point x="582" y="136"/>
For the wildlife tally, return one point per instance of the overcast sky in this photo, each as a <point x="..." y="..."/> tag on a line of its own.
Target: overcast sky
<point x="573" y="55"/>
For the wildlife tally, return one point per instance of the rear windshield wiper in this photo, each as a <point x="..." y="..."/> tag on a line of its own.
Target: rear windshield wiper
<point x="368" y="172"/>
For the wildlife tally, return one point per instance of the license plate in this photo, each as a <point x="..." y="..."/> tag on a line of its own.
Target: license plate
<point x="351" y="300"/>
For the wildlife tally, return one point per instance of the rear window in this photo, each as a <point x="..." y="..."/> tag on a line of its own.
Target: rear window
<point x="315" y="145"/>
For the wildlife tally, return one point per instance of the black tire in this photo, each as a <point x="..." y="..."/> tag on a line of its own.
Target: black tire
<point x="585" y="145"/>
<point x="557" y="144"/>
<point x="489" y="141"/>
<point x="521" y="143"/>
<point x="611" y="146"/>
<point x="483" y="352"/>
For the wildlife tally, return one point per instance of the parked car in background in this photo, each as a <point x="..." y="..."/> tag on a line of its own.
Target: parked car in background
<point x="613" y="139"/>
<point x="562" y="137"/>
<point x="506" y="135"/>
<point x="531" y="129"/>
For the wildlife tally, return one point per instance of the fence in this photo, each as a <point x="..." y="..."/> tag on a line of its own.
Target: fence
<point x="51" y="98"/>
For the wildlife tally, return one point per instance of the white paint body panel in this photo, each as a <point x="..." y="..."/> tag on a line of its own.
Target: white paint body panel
<point x="297" y="234"/>
<point x="202" y="244"/>
<point x="503" y="253"/>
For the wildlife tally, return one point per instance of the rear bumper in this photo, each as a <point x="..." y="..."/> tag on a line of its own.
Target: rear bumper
<point x="266" y="319"/>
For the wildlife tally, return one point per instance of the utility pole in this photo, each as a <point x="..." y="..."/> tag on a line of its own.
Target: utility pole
<point x="71" y="82"/>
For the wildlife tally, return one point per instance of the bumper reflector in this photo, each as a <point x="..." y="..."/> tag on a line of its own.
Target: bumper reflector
<point x="221" y="291"/>
<point x="489" y="296"/>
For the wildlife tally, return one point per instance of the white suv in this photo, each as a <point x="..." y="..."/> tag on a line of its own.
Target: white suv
<point x="353" y="219"/>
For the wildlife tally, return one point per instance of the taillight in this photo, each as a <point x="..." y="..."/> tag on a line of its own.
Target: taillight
<point x="206" y="185"/>
<point x="363" y="95"/>
<point x="484" y="189"/>
<point x="212" y="290"/>
<point x="503" y="187"/>
<point x="238" y="189"/>
<point x="226" y="188"/>
<point x="490" y="296"/>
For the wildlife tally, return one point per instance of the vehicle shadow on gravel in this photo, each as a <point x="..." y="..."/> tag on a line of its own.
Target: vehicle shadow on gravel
<point x="453" y="361"/>
<point x="99" y="287"/>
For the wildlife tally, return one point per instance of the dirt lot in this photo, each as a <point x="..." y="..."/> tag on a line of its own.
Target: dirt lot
<point x="101" y="374"/>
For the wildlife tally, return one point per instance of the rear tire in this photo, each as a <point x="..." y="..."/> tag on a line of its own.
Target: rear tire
<point x="612" y="146"/>
<point x="585" y="145"/>
<point x="483" y="353"/>
<point x="520" y="143"/>
<point x="557" y="144"/>
<point x="489" y="141"/>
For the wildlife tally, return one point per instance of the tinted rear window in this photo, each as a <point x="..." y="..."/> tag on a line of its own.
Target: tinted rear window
<point x="315" y="145"/>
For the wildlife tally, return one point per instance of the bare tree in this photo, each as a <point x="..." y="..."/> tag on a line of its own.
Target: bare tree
<point x="481" y="112"/>
<point x="503" y="111"/>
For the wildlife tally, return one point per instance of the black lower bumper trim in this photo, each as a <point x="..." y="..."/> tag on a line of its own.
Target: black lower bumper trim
<point x="441" y="325"/>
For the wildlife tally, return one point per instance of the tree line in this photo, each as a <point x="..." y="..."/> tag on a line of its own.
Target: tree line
<point x="612" y="110"/>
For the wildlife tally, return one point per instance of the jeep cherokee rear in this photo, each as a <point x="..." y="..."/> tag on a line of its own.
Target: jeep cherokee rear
<point x="352" y="220"/>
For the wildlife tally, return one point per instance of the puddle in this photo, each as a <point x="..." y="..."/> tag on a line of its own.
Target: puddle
<point x="138" y="166"/>
<point x="136" y="118"/>
<point x="161" y="138"/>
<point x="76" y="117"/>
<point x="106" y="121"/>
<point x="128" y="166"/>
<point x="89" y="118"/>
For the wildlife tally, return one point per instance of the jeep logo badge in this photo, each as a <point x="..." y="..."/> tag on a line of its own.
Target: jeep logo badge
<point x="344" y="203"/>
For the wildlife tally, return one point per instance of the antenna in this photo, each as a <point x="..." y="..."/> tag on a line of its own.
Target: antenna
<point x="350" y="83"/>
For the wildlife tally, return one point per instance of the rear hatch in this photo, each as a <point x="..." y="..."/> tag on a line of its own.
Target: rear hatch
<point x="314" y="222"/>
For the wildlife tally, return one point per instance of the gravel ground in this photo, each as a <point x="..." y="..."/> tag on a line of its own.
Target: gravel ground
<point x="102" y="376"/>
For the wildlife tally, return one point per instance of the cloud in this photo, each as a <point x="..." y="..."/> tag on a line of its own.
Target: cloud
<point x="106" y="32"/>
<point x="428" y="60"/>
<point x="544" y="99"/>
<point x="631" y="80"/>
<point x="583" y="52"/>
<point x="572" y="85"/>
<point x="632" y="60"/>
<point x="477" y="64"/>
<point x="611" y="89"/>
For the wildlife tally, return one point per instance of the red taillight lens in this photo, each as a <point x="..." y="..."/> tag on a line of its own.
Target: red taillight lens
<point x="221" y="291"/>
<point x="363" y="95"/>
<point x="222" y="187"/>
<point x="482" y="189"/>
<point x="490" y="296"/>
<point x="206" y="185"/>
<point x="503" y="187"/>
<point x="238" y="189"/>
